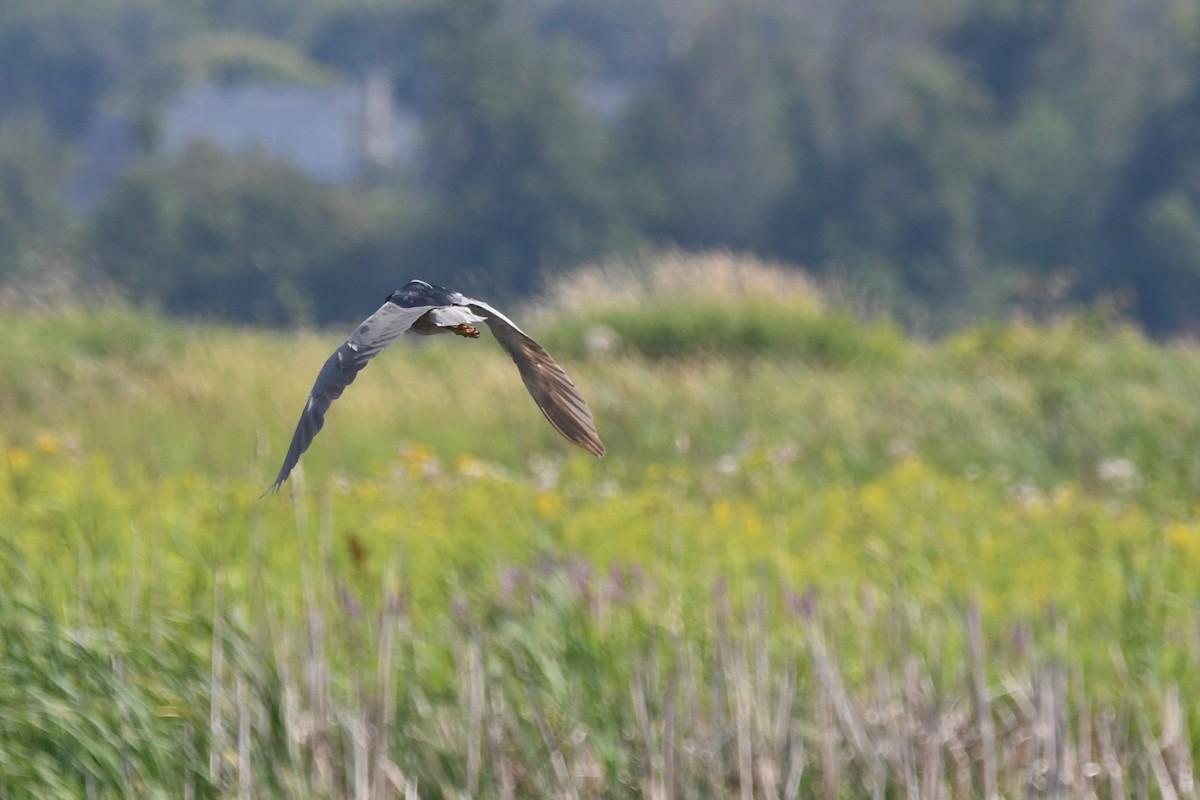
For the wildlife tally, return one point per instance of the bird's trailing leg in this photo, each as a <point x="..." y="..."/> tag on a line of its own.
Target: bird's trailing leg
<point x="469" y="331"/>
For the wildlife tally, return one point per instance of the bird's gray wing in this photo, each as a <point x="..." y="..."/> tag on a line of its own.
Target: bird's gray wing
<point x="550" y="386"/>
<point x="340" y="370"/>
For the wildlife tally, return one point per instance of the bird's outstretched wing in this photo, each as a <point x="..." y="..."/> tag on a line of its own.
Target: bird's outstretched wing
<point x="550" y="386"/>
<point x="340" y="370"/>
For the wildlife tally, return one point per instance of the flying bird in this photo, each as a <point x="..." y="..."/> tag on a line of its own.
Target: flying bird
<point x="427" y="309"/>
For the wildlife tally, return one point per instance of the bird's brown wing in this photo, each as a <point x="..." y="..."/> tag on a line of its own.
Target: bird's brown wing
<point x="546" y="381"/>
<point x="340" y="370"/>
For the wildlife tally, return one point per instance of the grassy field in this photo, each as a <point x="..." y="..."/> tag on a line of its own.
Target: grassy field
<point x="820" y="558"/>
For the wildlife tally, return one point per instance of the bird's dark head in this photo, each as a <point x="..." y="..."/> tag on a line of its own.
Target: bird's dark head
<point x="421" y="293"/>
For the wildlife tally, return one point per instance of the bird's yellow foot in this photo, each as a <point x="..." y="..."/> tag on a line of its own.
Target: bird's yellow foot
<point x="469" y="331"/>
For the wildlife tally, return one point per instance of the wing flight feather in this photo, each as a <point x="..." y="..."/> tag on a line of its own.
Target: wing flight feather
<point x="340" y="369"/>
<point x="550" y="386"/>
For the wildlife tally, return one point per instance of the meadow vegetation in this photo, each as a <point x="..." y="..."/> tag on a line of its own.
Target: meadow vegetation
<point x="821" y="558"/>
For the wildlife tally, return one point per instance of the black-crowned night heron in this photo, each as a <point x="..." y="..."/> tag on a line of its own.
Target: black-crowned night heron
<point x="423" y="308"/>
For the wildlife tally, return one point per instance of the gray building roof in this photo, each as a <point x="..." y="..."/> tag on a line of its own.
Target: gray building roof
<point x="332" y="133"/>
<point x="335" y="134"/>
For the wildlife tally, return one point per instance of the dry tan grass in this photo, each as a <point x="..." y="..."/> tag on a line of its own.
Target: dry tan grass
<point x="650" y="278"/>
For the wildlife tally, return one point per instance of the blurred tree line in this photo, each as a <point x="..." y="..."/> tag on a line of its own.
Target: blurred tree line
<point x="955" y="158"/>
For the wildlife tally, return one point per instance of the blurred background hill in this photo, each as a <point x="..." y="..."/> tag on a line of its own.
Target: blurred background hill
<point x="288" y="162"/>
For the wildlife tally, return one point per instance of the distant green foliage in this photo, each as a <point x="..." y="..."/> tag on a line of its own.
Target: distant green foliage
<point x="1155" y="221"/>
<point x="32" y="213"/>
<point x="47" y="353"/>
<point x="230" y="58"/>
<point x="688" y="330"/>
<point x="671" y="306"/>
<point x="523" y="173"/>
<point x="957" y="159"/>
<point x="64" y="65"/>
<point x="121" y="333"/>
<point x="245" y="237"/>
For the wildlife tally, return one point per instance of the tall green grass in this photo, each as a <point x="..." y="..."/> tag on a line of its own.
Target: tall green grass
<point x="871" y="567"/>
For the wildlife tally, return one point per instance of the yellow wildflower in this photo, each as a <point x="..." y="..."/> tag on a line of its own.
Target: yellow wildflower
<point x="48" y="444"/>
<point x="549" y="503"/>
<point x="18" y="459"/>
<point x="1185" y="537"/>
